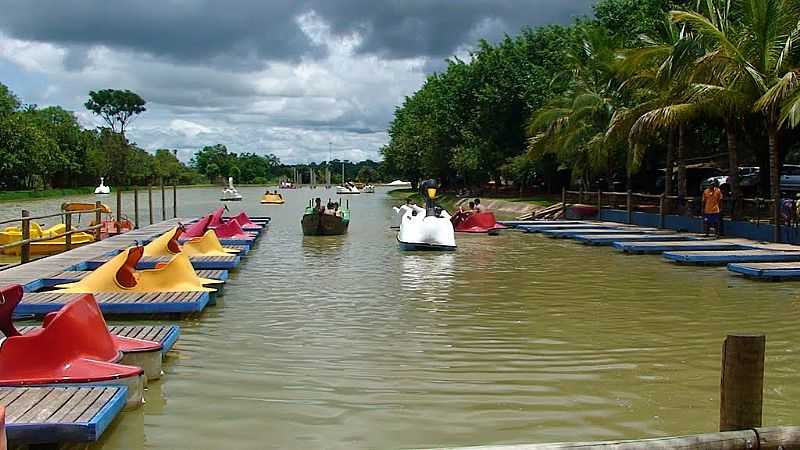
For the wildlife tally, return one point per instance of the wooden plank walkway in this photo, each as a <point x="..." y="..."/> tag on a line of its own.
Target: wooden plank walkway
<point x="518" y="223"/>
<point x="29" y="273"/>
<point x="591" y="239"/>
<point x="47" y="414"/>
<point x="39" y="303"/>
<point x="71" y="276"/>
<point x="767" y="271"/>
<point x="166" y="335"/>
<point x="664" y="246"/>
<point x="150" y="262"/>
<point x="721" y="258"/>
<point x="570" y="232"/>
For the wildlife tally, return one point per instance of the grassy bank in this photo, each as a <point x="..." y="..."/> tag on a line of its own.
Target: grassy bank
<point x="449" y="201"/>
<point x="12" y="196"/>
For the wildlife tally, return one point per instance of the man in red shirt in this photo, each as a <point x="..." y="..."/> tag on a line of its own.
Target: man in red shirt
<point x="712" y="198"/>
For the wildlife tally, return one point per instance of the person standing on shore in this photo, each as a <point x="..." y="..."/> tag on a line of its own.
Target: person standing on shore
<point x="712" y="197"/>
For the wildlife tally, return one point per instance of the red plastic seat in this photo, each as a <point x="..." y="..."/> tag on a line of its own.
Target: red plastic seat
<point x="197" y="229"/>
<point x="477" y="223"/>
<point x="231" y="230"/>
<point x="245" y="222"/>
<point x="216" y="217"/>
<point x="73" y="346"/>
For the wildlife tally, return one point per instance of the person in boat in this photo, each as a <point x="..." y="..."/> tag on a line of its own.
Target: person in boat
<point x="318" y="206"/>
<point x="329" y="209"/>
<point x="712" y="218"/>
<point x="478" y="208"/>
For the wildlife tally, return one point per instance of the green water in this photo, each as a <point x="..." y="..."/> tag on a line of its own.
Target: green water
<point x="348" y="343"/>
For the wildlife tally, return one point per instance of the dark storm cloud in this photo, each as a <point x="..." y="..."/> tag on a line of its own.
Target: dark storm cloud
<point x="243" y="33"/>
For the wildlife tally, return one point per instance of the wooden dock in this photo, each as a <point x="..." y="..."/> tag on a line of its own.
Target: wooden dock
<point x="767" y="271"/>
<point x="667" y="246"/>
<point x="139" y="303"/>
<point x="41" y="415"/>
<point x="721" y="258"/>
<point x="166" y="335"/>
<point x="570" y="232"/>
<point x="150" y="262"/>
<point x="591" y="239"/>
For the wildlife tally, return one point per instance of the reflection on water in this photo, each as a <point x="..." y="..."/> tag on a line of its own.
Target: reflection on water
<point x="347" y="342"/>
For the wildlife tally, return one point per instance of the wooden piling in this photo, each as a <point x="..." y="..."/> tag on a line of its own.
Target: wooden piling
<point x="630" y="206"/>
<point x="742" y="382"/>
<point x="135" y="208"/>
<point x="564" y="201"/>
<point x="662" y="211"/>
<point x="3" y="443"/>
<point x="119" y="210"/>
<point x="68" y="228"/>
<point x="174" y="201"/>
<point x="98" y="220"/>
<point x="25" y="251"/>
<point x="163" y="202"/>
<point x="599" y="198"/>
<point x="150" y="201"/>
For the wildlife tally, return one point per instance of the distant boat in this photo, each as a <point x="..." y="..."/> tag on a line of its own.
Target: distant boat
<point x="399" y="183"/>
<point x="102" y="189"/>
<point x="272" y="199"/>
<point x="347" y="188"/>
<point x="368" y="189"/>
<point x="230" y="194"/>
<point x="316" y="224"/>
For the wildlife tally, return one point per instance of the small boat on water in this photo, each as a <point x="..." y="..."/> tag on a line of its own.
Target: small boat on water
<point x="102" y="189"/>
<point x="109" y="226"/>
<point x="472" y="222"/>
<point x="272" y="198"/>
<point x="426" y="228"/>
<point x="368" y="189"/>
<point x="347" y="188"/>
<point x="316" y="222"/>
<point x="56" y="244"/>
<point x="399" y="184"/>
<point x="230" y="194"/>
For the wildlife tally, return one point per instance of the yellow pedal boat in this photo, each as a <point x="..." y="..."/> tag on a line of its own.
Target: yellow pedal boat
<point x="272" y="199"/>
<point x="167" y="245"/>
<point x="56" y="245"/>
<point x="120" y="275"/>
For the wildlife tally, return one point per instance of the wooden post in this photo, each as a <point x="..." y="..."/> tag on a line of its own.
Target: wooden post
<point x="174" y="201"/>
<point x="98" y="220"/>
<point x="25" y="251"/>
<point x="776" y="219"/>
<point x="564" y="201"/>
<point x="118" y="222"/>
<point x="599" y="198"/>
<point x="630" y="207"/>
<point x="150" y="201"/>
<point x="3" y="442"/>
<point x="68" y="228"/>
<point x="135" y="208"/>
<point x="163" y="201"/>
<point x="662" y="210"/>
<point x="742" y="383"/>
<point x="580" y="195"/>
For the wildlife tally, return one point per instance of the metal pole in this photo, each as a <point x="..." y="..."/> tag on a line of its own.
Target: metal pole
<point x="135" y="208"/>
<point x="25" y="251"/>
<point x="174" y="201"/>
<point x="98" y="220"/>
<point x="117" y="224"/>
<point x="68" y="228"/>
<point x="150" y="201"/>
<point x="163" y="202"/>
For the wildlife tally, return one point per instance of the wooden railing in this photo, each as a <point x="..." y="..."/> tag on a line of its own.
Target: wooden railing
<point x="25" y="228"/>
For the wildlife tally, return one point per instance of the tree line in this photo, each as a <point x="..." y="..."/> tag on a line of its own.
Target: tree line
<point x="42" y="148"/>
<point x="630" y="96"/>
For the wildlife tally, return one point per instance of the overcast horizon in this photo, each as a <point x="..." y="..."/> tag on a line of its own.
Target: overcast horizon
<point x="272" y="76"/>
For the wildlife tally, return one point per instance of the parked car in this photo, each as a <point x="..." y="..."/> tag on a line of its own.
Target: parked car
<point x="790" y="178"/>
<point x="748" y="180"/>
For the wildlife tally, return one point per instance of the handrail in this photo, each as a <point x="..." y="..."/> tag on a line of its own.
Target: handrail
<point x="50" y="238"/>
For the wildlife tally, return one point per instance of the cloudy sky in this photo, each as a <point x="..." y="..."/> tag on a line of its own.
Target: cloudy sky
<point x="268" y="76"/>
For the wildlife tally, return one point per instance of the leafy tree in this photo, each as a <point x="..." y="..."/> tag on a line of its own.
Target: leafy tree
<point x="212" y="172"/>
<point x="116" y="107"/>
<point x="8" y="101"/>
<point x="166" y="165"/>
<point x="366" y="174"/>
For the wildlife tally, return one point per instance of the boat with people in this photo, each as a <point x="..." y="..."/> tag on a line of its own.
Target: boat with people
<point x="230" y="194"/>
<point x="476" y="220"/>
<point x="368" y="189"/>
<point x="330" y="220"/>
<point x="272" y="198"/>
<point x="56" y="244"/>
<point x="426" y="228"/>
<point x="347" y="188"/>
<point x="102" y="189"/>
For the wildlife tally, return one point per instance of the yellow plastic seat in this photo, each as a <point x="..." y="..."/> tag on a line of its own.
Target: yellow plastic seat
<point x="208" y="245"/>
<point x="177" y="275"/>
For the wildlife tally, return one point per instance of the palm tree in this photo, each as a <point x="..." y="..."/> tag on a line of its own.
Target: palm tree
<point x="755" y="52"/>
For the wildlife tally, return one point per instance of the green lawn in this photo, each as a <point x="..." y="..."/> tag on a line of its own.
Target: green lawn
<point x="11" y="196"/>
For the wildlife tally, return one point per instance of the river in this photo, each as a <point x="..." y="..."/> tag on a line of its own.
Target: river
<point x="348" y="343"/>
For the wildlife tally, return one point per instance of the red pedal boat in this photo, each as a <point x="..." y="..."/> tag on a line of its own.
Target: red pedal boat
<point x="73" y="346"/>
<point x="484" y="222"/>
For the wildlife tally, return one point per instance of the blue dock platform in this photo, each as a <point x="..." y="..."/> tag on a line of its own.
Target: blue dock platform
<point x="767" y="271"/>
<point x="668" y="246"/>
<point x="721" y="258"/>
<point x="138" y="303"/>
<point x="591" y="239"/>
<point x="56" y="414"/>
<point x="519" y="223"/>
<point x="148" y="262"/>
<point x="578" y="226"/>
<point x="570" y="232"/>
